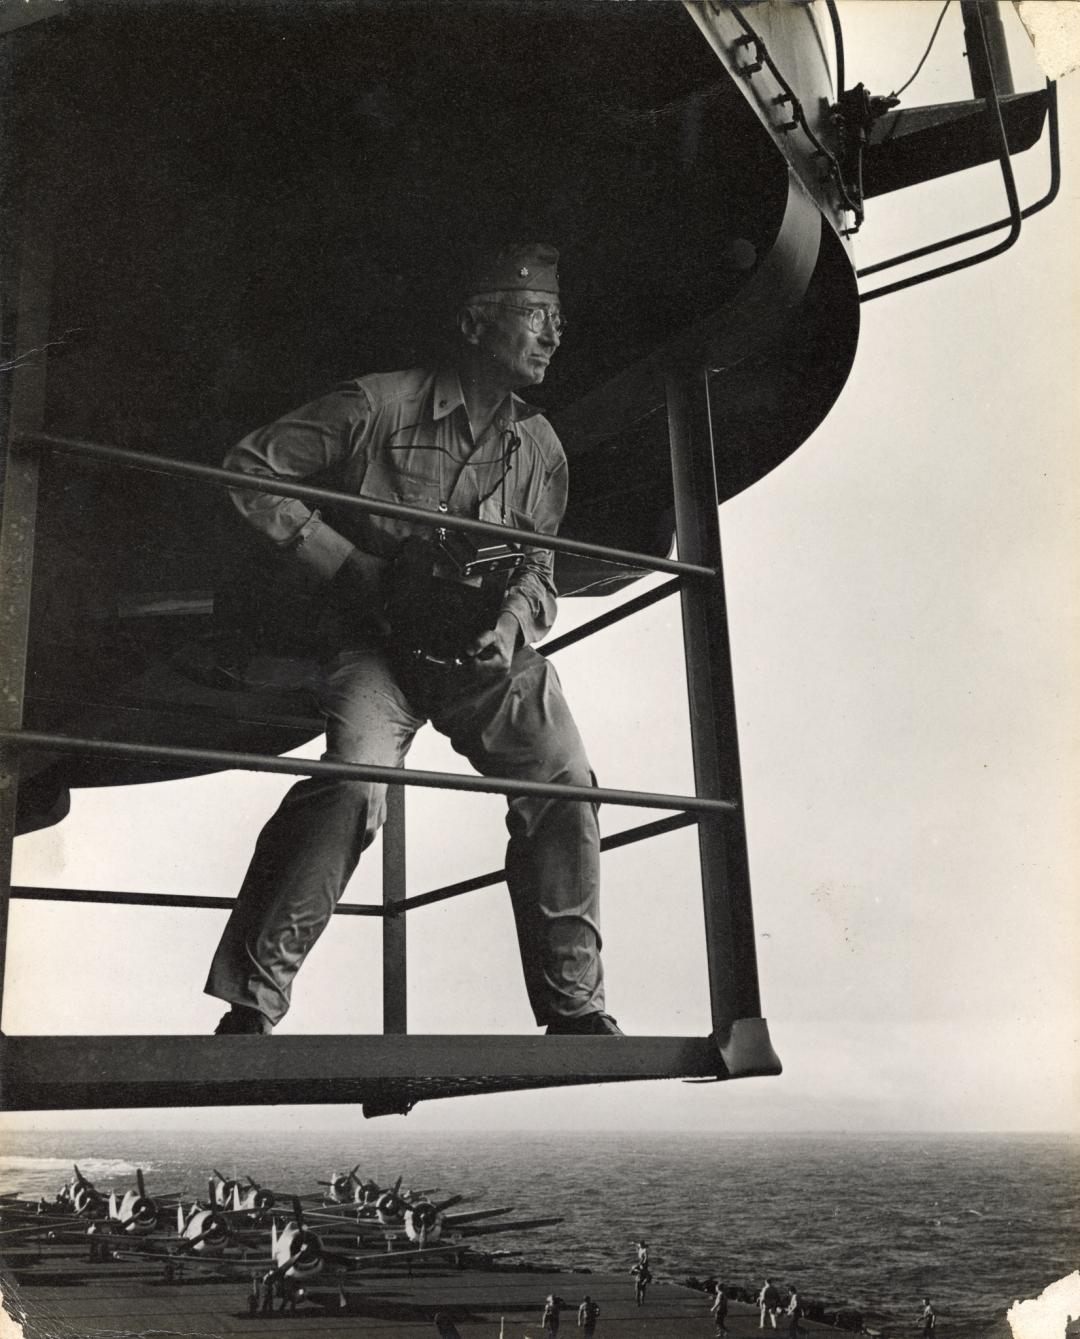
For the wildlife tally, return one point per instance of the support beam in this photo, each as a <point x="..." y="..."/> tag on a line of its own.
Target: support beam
<point x="986" y="48"/>
<point x="395" y="967"/>
<point x="725" y="866"/>
<point x="18" y="494"/>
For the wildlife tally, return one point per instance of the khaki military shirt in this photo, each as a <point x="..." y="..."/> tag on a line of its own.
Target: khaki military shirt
<point x="405" y="437"/>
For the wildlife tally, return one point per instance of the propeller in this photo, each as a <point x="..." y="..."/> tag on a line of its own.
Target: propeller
<point x="340" y="1182"/>
<point x="227" y="1183"/>
<point x="367" y="1192"/>
<point x="306" y="1253"/>
<point x="263" y="1199"/>
<point x="85" y="1196"/>
<point x="390" y="1206"/>
<point x="142" y="1210"/>
<point x="424" y="1221"/>
<point x="210" y="1226"/>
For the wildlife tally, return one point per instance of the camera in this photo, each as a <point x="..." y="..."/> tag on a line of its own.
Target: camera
<point x="443" y="590"/>
<point x="469" y="561"/>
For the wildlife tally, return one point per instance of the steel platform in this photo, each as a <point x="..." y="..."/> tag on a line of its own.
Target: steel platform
<point x="383" y="1073"/>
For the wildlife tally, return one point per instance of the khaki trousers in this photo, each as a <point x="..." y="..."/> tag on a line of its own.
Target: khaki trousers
<point x="516" y="725"/>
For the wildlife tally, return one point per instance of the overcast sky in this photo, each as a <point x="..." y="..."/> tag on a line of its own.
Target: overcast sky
<point x="904" y="608"/>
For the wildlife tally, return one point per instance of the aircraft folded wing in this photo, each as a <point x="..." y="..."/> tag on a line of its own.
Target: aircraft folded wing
<point x="235" y="1266"/>
<point x="475" y="1215"/>
<point x="343" y="1261"/>
<point x="519" y="1225"/>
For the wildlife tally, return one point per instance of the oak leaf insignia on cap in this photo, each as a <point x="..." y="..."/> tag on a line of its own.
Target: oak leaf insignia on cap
<point x="521" y="265"/>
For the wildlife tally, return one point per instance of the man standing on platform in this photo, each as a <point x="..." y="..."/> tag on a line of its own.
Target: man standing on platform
<point x="456" y="439"/>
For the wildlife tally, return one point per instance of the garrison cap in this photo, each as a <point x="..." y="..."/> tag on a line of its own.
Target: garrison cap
<point x="516" y="266"/>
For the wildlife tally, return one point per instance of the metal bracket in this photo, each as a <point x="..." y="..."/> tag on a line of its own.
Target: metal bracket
<point x="759" y="55"/>
<point x="746" y="1049"/>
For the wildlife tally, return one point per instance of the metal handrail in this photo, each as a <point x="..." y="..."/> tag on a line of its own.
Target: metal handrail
<point x="970" y="236"/>
<point x="611" y="843"/>
<point x="32" y="893"/>
<point x="1015" y="213"/>
<point x="262" y="762"/>
<point x="613" y="616"/>
<point x="145" y="460"/>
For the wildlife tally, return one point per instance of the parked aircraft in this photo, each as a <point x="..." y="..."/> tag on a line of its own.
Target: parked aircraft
<point x="206" y="1229"/>
<point x="136" y="1211"/>
<point x="83" y="1196"/>
<point x="339" y="1189"/>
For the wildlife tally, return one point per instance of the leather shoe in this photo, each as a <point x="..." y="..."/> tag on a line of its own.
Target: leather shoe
<point x="244" y="1021"/>
<point x="586" y="1025"/>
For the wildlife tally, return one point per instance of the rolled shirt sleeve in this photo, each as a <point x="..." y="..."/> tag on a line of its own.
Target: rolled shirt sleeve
<point x="317" y="438"/>
<point x="531" y="595"/>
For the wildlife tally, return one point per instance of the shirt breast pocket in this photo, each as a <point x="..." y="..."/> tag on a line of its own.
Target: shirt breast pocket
<point x="491" y="510"/>
<point x="414" y="490"/>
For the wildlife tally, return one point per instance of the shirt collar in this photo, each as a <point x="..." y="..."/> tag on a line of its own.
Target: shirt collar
<point x="447" y="396"/>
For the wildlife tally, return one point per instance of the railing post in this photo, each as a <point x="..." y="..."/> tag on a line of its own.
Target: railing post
<point x="395" y="1008"/>
<point x="27" y="320"/>
<point x="740" y="1032"/>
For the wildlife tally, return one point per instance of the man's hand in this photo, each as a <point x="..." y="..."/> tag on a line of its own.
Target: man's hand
<point x="358" y="590"/>
<point x="493" y="649"/>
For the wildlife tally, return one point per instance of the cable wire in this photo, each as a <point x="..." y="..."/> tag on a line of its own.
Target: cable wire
<point x="838" y="47"/>
<point x="933" y="37"/>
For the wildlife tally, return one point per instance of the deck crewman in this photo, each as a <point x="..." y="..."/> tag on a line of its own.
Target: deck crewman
<point x="457" y="438"/>
<point x="587" y="1316"/>
<point x="642" y="1278"/>
<point x="768" y="1303"/>
<point x="794" y="1311"/>
<point x="719" y="1309"/>
<point x="553" y="1306"/>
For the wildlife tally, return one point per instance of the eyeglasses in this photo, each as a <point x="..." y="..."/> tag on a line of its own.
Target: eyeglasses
<point x="538" y="317"/>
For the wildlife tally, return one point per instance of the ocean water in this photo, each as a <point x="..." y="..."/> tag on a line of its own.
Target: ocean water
<point x="872" y="1222"/>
